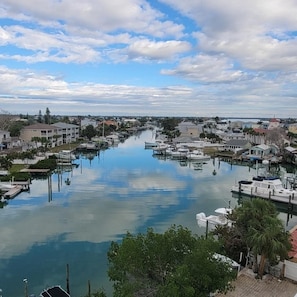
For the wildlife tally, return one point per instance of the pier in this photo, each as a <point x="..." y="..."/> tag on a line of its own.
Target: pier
<point x="18" y="187"/>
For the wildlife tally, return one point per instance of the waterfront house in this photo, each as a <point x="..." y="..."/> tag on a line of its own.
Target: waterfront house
<point x="236" y="145"/>
<point x="261" y="152"/>
<point x="39" y="131"/>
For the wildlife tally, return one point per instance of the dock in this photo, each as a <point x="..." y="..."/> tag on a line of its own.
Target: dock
<point x="290" y="201"/>
<point x="35" y="170"/>
<point x="13" y="192"/>
<point x="55" y="291"/>
<point x="17" y="187"/>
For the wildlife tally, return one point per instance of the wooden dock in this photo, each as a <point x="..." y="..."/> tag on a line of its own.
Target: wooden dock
<point x="35" y="170"/>
<point x="13" y="192"/>
<point x="18" y="187"/>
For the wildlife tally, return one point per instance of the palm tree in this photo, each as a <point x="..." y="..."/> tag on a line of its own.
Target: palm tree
<point x="262" y="230"/>
<point x="270" y="240"/>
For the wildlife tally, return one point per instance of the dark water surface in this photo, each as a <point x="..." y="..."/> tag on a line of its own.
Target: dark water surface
<point x="121" y="189"/>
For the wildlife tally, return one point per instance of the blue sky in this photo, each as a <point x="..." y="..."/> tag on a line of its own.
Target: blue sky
<point x="161" y="58"/>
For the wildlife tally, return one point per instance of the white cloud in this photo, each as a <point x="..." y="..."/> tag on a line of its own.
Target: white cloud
<point x="207" y="69"/>
<point x="183" y="57"/>
<point x="106" y="16"/>
<point x="157" y="50"/>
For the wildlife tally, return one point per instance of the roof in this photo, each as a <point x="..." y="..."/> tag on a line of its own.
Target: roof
<point x="40" y="127"/>
<point x="64" y="125"/>
<point x="274" y="120"/>
<point x="247" y="284"/>
<point x="260" y="130"/>
<point x="55" y="291"/>
<point x="291" y="149"/>
<point x="263" y="147"/>
<point x="293" y="252"/>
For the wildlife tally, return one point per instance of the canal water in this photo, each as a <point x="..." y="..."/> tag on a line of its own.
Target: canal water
<point x="114" y="191"/>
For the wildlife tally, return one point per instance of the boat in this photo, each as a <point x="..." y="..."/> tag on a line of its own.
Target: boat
<point x="180" y="153"/>
<point x="149" y="145"/>
<point x="197" y="155"/>
<point x="90" y="145"/>
<point x="65" y="155"/>
<point x="55" y="291"/>
<point x="197" y="165"/>
<point x="220" y="218"/>
<point x="160" y="149"/>
<point x="265" y="187"/>
<point x="6" y="186"/>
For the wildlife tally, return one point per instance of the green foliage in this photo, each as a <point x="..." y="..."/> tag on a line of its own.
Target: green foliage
<point x="262" y="231"/>
<point x="232" y="240"/>
<point x="99" y="293"/>
<point x="50" y="163"/>
<point x="5" y="163"/>
<point x="89" y="132"/>
<point x="15" y="128"/>
<point x="170" y="124"/>
<point x="47" y="116"/>
<point x="175" y="263"/>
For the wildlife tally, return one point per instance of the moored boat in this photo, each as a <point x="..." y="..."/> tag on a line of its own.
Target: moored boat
<point x="220" y="218"/>
<point x="197" y="155"/>
<point x="265" y="187"/>
<point x="65" y="155"/>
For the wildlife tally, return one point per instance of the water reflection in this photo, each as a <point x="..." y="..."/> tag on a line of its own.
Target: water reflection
<point x="118" y="190"/>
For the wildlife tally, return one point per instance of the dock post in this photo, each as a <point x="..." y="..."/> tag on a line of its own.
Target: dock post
<point x="290" y="204"/>
<point x="67" y="279"/>
<point x="89" y="288"/>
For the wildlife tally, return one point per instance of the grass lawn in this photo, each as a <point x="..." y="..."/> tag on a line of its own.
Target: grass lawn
<point x="17" y="168"/>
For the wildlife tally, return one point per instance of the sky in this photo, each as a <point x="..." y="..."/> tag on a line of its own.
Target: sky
<point x="192" y="58"/>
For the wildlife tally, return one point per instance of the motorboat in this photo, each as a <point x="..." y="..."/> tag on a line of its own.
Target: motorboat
<point x="65" y="155"/>
<point x="197" y="155"/>
<point x="6" y="186"/>
<point x="149" y="145"/>
<point x="161" y="148"/>
<point x="220" y="218"/>
<point x="90" y="145"/>
<point x="180" y="153"/>
<point x="264" y="187"/>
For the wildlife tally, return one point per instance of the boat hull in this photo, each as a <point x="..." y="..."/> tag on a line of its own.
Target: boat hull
<point x="266" y="188"/>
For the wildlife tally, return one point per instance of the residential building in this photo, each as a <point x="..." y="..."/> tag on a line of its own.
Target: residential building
<point x="66" y="133"/>
<point x="189" y="129"/>
<point x="292" y="151"/>
<point x="262" y="151"/>
<point x="39" y="131"/>
<point x="87" y="122"/>
<point x="236" y="145"/>
<point x="5" y="140"/>
<point x="273" y="124"/>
